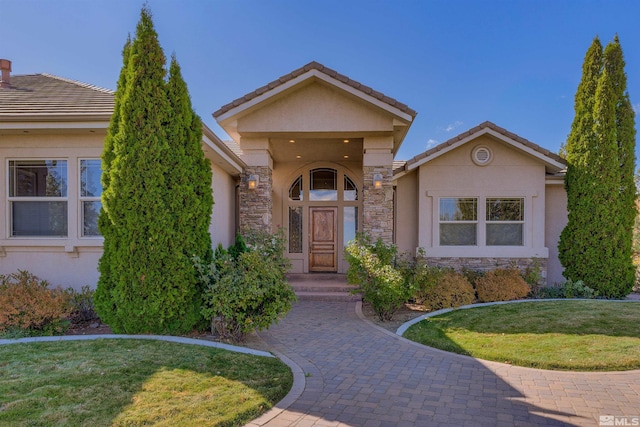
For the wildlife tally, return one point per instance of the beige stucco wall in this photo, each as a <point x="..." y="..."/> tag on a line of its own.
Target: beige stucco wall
<point x="73" y="261"/>
<point x="223" y="216"/>
<point x="406" y="210"/>
<point x="556" y="219"/>
<point x="315" y="107"/>
<point x="511" y="173"/>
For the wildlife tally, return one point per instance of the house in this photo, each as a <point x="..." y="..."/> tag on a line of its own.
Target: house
<point x="313" y="151"/>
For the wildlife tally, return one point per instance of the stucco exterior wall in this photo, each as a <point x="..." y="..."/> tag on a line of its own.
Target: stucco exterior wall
<point x="556" y="219"/>
<point x="223" y="216"/>
<point x="315" y="107"/>
<point x="406" y="213"/>
<point x="509" y="174"/>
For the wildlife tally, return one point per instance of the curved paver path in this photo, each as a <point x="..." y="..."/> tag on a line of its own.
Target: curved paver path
<point x="358" y="374"/>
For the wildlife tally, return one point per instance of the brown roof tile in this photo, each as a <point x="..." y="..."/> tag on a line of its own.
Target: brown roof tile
<point x="47" y="95"/>
<point x="329" y="72"/>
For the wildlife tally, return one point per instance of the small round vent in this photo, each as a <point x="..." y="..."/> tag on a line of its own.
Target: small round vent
<point x="481" y="156"/>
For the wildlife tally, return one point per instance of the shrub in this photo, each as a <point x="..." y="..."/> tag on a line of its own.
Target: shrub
<point x="451" y="290"/>
<point x="28" y="307"/>
<point x="373" y="268"/>
<point x="82" y="309"/>
<point x="568" y="289"/>
<point x="502" y="284"/>
<point x="423" y="278"/>
<point x="248" y="292"/>
<point x="472" y="275"/>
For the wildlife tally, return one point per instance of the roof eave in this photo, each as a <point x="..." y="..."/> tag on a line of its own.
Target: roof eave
<point x="485" y="129"/>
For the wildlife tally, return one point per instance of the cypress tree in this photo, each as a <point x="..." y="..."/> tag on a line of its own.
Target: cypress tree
<point x="575" y="242"/>
<point x="102" y="298"/>
<point x="595" y="246"/>
<point x="151" y="202"/>
<point x="625" y="143"/>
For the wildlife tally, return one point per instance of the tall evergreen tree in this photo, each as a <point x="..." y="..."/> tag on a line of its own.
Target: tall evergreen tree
<point x="626" y="144"/>
<point x="595" y="246"/>
<point x="155" y="212"/>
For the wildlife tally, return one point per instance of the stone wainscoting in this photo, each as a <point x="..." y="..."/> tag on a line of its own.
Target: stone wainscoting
<point x="377" y="204"/>
<point x="487" y="264"/>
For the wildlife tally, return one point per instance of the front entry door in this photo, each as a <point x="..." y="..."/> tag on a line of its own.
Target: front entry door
<point x="323" y="240"/>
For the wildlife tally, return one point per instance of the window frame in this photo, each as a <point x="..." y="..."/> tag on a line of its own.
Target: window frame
<point x="84" y="199"/>
<point x="481" y="221"/>
<point x="458" y="222"/>
<point x="12" y="199"/>
<point x="488" y="222"/>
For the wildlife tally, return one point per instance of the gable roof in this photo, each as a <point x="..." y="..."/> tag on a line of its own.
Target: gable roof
<point x="553" y="162"/>
<point x="48" y="97"/>
<point x="308" y="71"/>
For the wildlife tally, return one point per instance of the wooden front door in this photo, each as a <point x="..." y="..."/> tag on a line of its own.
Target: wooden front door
<point x="323" y="239"/>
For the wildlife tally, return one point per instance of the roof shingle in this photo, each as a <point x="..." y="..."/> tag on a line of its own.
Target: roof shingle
<point x="329" y="72"/>
<point x="48" y="95"/>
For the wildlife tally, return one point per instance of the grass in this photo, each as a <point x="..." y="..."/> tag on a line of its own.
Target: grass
<point x="135" y="382"/>
<point x="562" y="335"/>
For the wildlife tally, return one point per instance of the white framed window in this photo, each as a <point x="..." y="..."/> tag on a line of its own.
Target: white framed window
<point x="481" y="221"/>
<point x="505" y="221"/>
<point x="458" y="218"/>
<point x="38" y="198"/>
<point x="90" y="194"/>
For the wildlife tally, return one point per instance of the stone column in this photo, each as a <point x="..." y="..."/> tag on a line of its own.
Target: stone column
<point x="256" y="204"/>
<point x="377" y="203"/>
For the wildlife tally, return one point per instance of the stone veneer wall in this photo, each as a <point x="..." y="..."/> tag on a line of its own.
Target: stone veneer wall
<point x="256" y="205"/>
<point x="377" y="204"/>
<point x="487" y="264"/>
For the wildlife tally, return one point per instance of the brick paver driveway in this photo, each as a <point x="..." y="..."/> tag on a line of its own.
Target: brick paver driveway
<point x="360" y="375"/>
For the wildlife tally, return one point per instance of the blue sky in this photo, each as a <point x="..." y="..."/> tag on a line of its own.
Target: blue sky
<point x="457" y="63"/>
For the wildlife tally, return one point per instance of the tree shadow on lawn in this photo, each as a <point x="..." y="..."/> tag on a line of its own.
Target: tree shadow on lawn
<point x="567" y="334"/>
<point x="124" y="382"/>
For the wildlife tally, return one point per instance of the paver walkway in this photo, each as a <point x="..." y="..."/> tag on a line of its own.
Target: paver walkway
<point x="360" y="375"/>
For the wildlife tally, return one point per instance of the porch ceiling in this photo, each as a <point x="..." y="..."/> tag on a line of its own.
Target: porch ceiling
<point x="316" y="149"/>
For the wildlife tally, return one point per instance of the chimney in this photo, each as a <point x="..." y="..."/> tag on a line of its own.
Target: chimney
<point x="5" y="67"/>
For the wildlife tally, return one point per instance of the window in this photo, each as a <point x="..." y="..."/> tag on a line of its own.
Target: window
<point x="458" y="221"/>
<point x="90" y="192"/>
<point x="505" y="222"/>
<point x="350" y="189"/>
<point x="295" y="229"/>
<point x="324" y="185"/>
<point x="38" y="198"/>
<point x="350" y="218"/>
<point x="295" y="191"/>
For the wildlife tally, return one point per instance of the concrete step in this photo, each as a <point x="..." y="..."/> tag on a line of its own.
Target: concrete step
<point x="322" y="287"/>
<point x="316" y="277"/>
<point x="327" y="296"/>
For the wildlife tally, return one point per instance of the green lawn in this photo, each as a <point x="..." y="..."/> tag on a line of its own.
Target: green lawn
<point x="566" y="335"/>
<point x="111" y="382"/>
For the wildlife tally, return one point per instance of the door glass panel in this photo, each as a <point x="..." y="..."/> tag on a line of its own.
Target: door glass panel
<point x="350" y="223"/>
<point x="295" y="229"/>
<point x="350" y="190"/>
<point x="324" y="185"/>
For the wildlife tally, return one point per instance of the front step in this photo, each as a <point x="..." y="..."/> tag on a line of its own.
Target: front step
<point x="322" y="287"/>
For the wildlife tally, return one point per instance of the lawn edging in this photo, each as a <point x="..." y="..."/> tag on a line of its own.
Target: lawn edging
<point x="403" y="328"/>
<point x="168" y="338"/>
